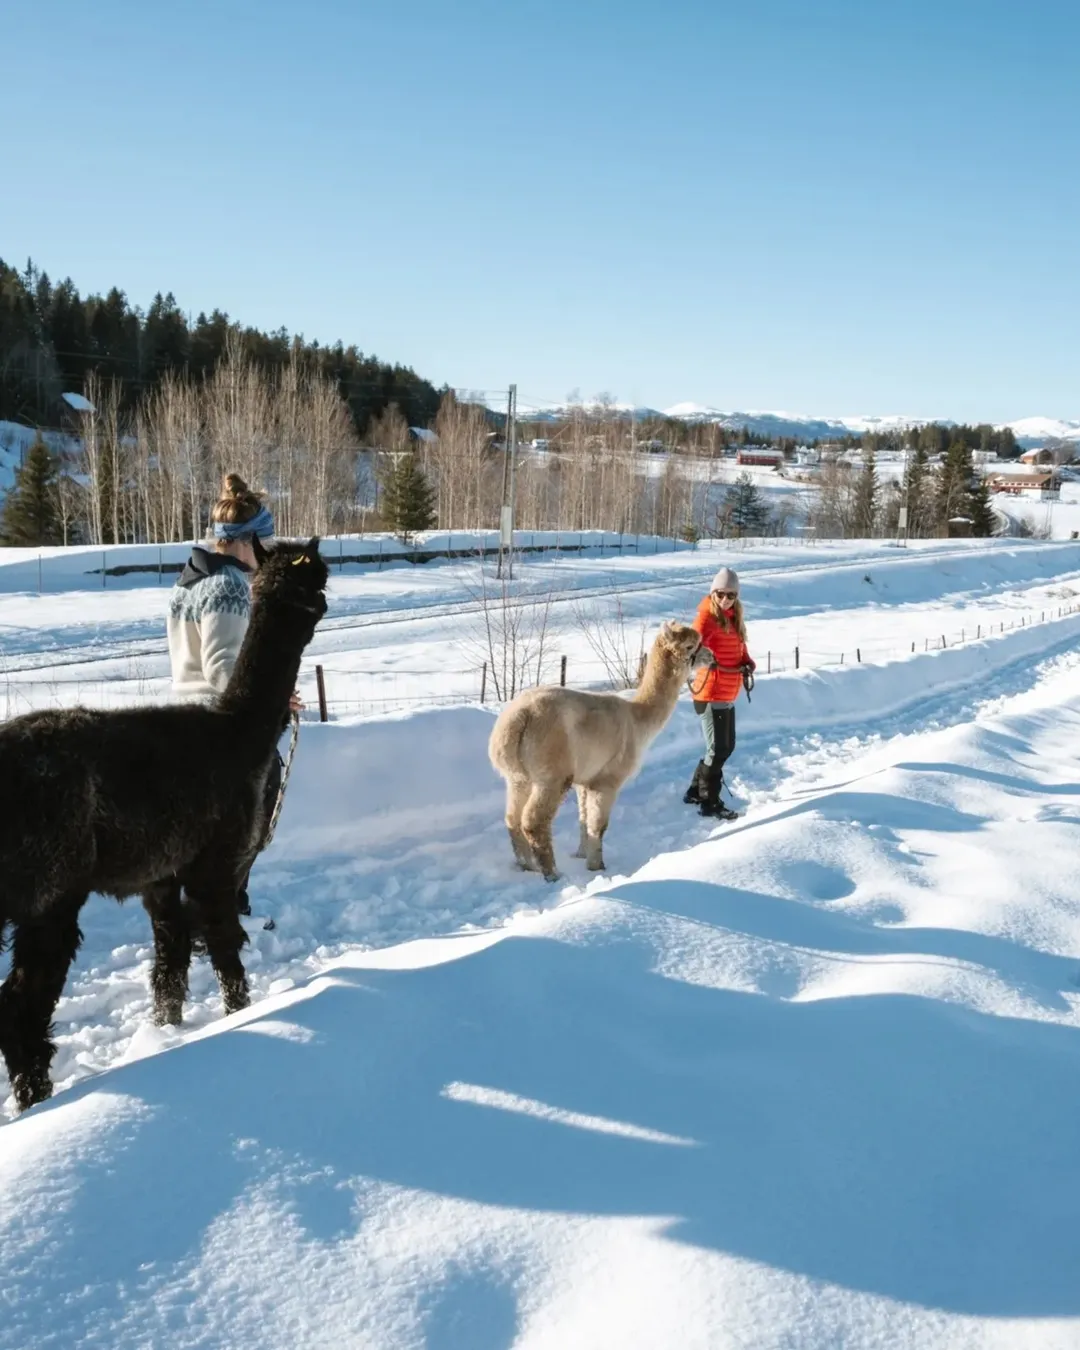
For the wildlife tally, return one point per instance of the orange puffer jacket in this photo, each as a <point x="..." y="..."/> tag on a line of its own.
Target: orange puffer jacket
<point x="712" y="685"/>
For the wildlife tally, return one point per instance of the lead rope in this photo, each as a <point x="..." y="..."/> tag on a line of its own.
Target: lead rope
<point x="745" y="671"/>
<point x="293" y="738"/>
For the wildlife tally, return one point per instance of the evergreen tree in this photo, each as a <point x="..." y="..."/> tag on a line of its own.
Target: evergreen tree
<point x="954" y="484"/>
<point x="866" y="497"/>
<point x="408" y="502"/>
<point x="30" y="517"/>
<point x="51" y="338"/>
<point x="983" y="521"/>
<point x="744" y="510"/>
<point x="916" y="491"/>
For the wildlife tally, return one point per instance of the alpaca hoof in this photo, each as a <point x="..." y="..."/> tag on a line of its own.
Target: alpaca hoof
<point x="597" y="866"/>
<point x="552" y="876"/>
<point x="236" y="1000"/>
<point x="31" y="1088"/>
<point x="169" y="1015"/>
<point x="577" y="853"/>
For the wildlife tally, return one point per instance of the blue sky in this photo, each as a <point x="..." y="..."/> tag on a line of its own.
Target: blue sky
<point x="814" y="205"/>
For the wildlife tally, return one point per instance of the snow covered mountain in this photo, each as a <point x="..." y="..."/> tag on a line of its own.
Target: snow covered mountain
<point x="1035" y="431"/>
<point x="799" y="425"/>
<point x="1030" y="432"/>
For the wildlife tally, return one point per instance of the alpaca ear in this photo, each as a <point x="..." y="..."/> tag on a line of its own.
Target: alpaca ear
<point x="312" y="545"/>
<point x="261" y="554"/>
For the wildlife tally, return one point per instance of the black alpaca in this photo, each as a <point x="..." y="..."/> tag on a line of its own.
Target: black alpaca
<point x="150" y="801"/>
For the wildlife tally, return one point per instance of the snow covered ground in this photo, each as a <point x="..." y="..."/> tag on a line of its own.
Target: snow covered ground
<point x="811" y="1080"/>
<point x="1055" y="520"/>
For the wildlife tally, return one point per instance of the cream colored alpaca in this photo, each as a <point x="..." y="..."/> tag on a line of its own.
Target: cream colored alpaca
<point x="549" y="739"/>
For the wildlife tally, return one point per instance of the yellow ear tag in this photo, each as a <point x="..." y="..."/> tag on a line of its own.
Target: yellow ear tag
<point x="303" y="558"/>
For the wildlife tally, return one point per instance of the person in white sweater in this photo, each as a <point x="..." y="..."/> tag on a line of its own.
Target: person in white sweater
<point x="210" y="608"/>
<point x="211" y="602"/>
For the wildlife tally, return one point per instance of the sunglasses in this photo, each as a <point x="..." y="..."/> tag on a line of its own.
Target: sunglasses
<point x="727" y="595"/>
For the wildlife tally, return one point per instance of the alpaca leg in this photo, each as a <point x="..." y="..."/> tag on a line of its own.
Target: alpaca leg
<point x="598" y="813"/>
<point x="172" y="950"/>
<point x="517" y="794"/>
<point x="41" y="955"/>
<point x="582" y="850"/>
<point x="215" y="912"/>
<point x="540" y="809"/>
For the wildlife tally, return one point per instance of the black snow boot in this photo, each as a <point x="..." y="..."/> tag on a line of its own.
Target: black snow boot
<point x="692" y="795"/>
<point x="711" y="802"/>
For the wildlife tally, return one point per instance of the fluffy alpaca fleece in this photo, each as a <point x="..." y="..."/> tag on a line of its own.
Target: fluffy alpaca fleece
<point x="150" y="802"/>
<point x="549" y="739"/>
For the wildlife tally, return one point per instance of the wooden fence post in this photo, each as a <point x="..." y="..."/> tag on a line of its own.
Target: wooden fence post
<point x="321" y="685"/>
<point x="562" y="672"/>
<point x="483" y="682"/>
<point x="796" y="658"/>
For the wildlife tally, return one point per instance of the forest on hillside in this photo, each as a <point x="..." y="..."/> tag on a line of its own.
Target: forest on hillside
<point x="52" y="339"/>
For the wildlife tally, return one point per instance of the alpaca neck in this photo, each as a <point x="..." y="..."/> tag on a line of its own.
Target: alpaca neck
<point x="658" y="691"/>
<point x="265" y="673"/>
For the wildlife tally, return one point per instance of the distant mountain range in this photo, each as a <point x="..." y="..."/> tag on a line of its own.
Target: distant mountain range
<point x="1030" y="432"/>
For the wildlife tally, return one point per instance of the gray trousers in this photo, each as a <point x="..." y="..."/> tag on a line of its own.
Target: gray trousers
<point x="718" y="729"/>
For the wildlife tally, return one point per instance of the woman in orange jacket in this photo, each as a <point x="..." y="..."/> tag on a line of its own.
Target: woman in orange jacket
<point x="716" y="687"/>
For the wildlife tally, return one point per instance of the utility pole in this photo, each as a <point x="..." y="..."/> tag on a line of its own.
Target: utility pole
<point x="633" y="466"/>
<point x="506" y="522"/>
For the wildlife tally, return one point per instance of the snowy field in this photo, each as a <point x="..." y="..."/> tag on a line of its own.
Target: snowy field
<point x="805" y="1081"/>
<point x="1055" y="520"/>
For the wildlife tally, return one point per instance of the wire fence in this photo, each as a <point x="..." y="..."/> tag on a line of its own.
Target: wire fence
<point x="347" y="691"/>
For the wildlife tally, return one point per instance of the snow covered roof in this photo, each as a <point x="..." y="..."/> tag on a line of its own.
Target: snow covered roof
<point x="77" y="403"/>
<point x="423" y="434"/>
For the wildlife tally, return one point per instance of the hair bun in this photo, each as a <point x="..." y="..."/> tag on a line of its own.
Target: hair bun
<point x="234" y="486"/>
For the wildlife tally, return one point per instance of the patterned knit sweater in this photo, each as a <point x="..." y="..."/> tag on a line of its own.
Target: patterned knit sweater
<point x="208" y="617"/>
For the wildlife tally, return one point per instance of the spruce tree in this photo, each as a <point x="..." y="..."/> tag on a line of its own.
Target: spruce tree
<point x="866" y="497"/>
<point x="954" y="484"/>
<point x="30" y="517"/>
<point x="983" y="521"/>
<point x="408" y="502"/>
<point x="915" y="493"/>
<point x="745" y="510"/>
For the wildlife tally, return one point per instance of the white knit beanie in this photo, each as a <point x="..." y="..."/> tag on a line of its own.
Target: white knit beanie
<point x="725" y="580"/>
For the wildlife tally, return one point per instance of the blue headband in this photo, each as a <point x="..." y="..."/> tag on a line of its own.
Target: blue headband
<point x="261" y="524"/>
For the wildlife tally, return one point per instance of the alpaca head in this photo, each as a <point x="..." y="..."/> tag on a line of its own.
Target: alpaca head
<point x="681" y="644"/>
<point x="293" y="574"/>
